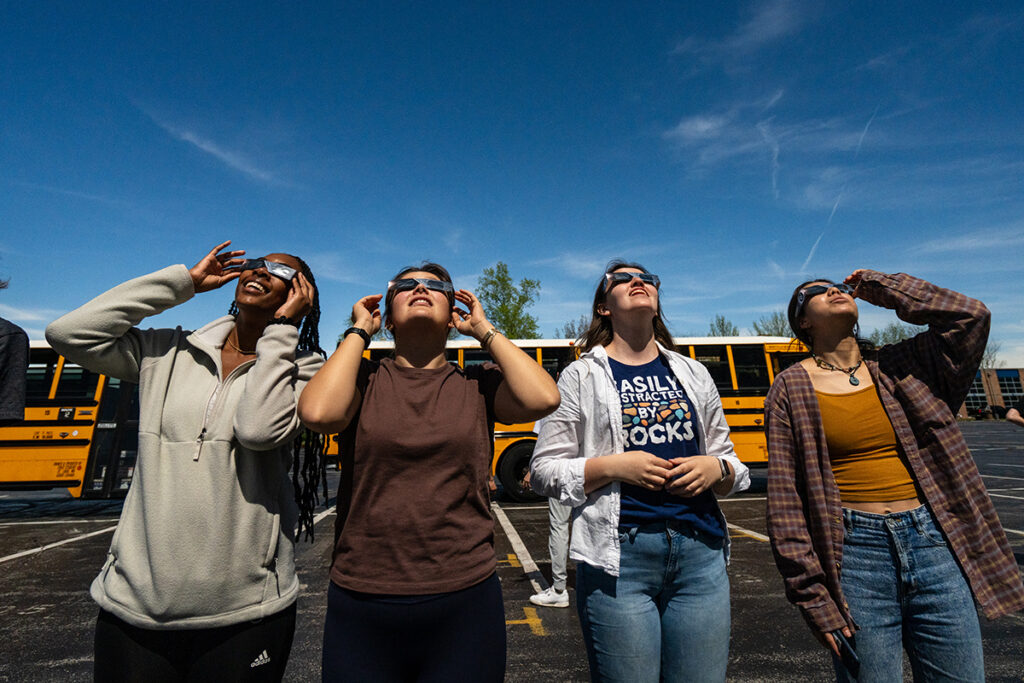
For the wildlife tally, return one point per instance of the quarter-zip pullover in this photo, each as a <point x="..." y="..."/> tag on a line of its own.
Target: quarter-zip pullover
<point x="206" y="536"/>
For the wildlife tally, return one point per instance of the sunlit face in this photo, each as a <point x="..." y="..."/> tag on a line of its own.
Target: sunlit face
<point x="420" y="304"/>
<point x="829" y="307"/>
<point x="259" y="289"/>
<point x="630" y="296"/>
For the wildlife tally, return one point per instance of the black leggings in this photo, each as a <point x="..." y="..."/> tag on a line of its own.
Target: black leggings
<point x="250" y="651"/>
<point x="458" y="636"/>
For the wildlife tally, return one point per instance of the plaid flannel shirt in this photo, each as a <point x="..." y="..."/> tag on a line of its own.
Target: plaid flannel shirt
<point x="922" y="381"/>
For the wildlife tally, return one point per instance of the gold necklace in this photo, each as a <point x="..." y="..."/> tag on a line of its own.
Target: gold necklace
<point x="244" y="353"/>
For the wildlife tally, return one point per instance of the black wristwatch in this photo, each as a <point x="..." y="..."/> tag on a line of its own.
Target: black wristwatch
<point x="725" y="470"/>
<point x="282" y="320"/>
<point x="361" y="332"/>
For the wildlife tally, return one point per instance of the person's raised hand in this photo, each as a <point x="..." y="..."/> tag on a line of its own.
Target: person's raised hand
<point x="216" y="269"/>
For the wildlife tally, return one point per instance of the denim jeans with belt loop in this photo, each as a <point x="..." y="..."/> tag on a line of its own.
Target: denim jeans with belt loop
<point x="666" y="617"/>
<point x="906" y="591"/>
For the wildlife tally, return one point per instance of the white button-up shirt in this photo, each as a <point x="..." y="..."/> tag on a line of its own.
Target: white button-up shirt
<point x="588" y="424"/>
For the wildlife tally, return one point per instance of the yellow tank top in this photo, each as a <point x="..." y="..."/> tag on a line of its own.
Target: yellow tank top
<point x="862" y="448"/>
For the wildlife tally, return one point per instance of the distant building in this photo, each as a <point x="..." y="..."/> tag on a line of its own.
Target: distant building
<point x="994" y="388"/>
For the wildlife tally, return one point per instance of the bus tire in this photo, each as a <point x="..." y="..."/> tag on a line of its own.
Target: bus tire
<point x="512" y="468"/>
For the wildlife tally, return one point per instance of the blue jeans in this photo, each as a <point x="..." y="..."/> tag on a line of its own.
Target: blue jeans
<point x="905" y="590"/>
<point x="666" y="617"/>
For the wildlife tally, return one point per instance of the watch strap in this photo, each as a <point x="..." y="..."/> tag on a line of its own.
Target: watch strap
<point x="361" y="332"/>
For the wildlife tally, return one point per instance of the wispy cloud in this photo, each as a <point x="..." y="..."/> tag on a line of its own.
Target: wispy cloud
<point x="764" y="127"/>
<point x="28" y="314"/>
<point x="75" y="194"/>
<point x="331" y="265"/>
<point x="768" y="23"/>
<point x="884" y="61"/>
<point x="230" y="158"/>
<point x="998" y="238"/>
<point x="453" y="239"/>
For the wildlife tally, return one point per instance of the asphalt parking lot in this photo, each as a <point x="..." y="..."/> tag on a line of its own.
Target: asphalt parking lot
<point x="51" y="547"/>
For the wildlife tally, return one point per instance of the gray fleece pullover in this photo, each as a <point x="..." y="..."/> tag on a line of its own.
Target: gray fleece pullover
<point x="207" y="532"/>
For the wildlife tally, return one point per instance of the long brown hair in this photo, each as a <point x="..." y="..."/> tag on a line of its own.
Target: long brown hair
<point x="600" y="332"/>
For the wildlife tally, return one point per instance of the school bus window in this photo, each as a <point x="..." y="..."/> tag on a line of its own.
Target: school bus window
<point x="781" y="361"/>
<point x="474" y="357"/>
<point x="111" y="394"/>
<point x="76" y="382"/>
<point x="751" y="371"/>
<point x="452" y="356"/>
<point x="40" y="376"/>
<point x="716" y="360"/>
<point x="554" y="360"/>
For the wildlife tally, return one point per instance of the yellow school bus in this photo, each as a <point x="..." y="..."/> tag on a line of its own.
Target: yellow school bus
<point x="743" y="369"/>
<point x="80" y="431"/>
<point x="81" y="428"/>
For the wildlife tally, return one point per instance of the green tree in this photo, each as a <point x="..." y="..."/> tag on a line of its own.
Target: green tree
<point x="721" y="327"/>
<point x="506" y="304"/>
<point x="894" y="332"/>
<point x="773" y="325"/>
<point x="573" y="329"/>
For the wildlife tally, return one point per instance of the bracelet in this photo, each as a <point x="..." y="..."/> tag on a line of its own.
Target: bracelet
<point x="282" y="320"/>
<point x="725" y="470"/>
<point x="486" y="340"/>
<point x="361" y="332"/>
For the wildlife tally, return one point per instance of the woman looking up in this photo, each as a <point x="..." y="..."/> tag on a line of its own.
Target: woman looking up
<point x="199" y="583"/>
<point x="413" y="594"/>
<point x="878" y="518"/>
<point x="640" y="448"/>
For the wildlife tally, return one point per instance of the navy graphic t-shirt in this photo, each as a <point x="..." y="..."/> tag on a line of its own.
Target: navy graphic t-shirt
<point x="657" y="417"/>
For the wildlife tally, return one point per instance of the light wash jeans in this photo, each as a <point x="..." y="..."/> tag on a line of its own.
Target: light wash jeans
<point x="558" y="541"/>
<point x="666" y="617"/>
<point x="906" y="590"/>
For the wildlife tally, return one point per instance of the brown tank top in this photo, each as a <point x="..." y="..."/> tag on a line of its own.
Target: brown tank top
<point x="866" y="463"/>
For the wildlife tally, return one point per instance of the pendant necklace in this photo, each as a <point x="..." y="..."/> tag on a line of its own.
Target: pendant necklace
<point x="825" y="365"/>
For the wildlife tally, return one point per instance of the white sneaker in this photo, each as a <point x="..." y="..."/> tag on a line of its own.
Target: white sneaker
<point x="551" y="598"/>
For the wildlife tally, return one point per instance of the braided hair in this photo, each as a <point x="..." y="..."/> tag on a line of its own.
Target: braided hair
<point x="309" y="466"/>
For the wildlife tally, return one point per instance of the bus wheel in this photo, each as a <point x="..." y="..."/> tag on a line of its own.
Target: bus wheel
<point x="512" y="469"/>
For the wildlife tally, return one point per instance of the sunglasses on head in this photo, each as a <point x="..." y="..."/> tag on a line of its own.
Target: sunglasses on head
<point x="276" y="269"/>
<point x="407" y="284"/>
<point x="619" y="278"/>
<point x="808" y="293"/>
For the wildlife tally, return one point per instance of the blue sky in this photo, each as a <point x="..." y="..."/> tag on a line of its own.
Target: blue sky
<point x="734" y="149"/>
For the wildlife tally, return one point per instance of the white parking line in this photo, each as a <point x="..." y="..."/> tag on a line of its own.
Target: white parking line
<point x="739" y="500"/>
<point x="1013" y="531"/>
<point x="529" y="566"/>
<point x="107" y="520"/>
<point x="1003" y="495"/>
<point x="748" y="532"/>
<point x="33" y="551"/>
<point x="996" y="476"/>
<point x="325" y="513"/>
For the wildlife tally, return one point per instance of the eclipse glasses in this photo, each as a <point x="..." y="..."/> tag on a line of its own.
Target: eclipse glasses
<point x="808" y="293"/>
<point x="619" y="278"/>
<point x="276" y="269"/>
<point x="408" y="284"/>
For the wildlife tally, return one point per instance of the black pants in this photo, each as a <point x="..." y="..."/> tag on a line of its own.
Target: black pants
<point x="250" y="651"/>
<point x="458" y="636"/>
